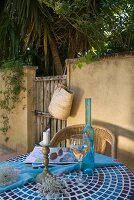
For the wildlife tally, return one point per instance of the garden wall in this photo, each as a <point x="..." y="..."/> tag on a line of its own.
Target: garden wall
<point x="110" y="84"/>
<point x="21" y="121"/>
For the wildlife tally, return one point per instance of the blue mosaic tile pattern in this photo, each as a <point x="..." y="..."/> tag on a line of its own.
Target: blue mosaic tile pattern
<point x="107" y="183"/>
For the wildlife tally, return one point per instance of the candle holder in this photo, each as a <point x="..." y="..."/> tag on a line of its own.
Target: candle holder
<point x="50" y="186"/>
<point x="46" y="151"/>
<point x="41" y="177"/>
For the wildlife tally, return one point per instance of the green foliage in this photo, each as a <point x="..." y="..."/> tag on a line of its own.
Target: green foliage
<point x="118" y="21"/>
<point x="81" y="15"/>
<point x="27" y="25"/>
<point x="57" y="30"/>
<point x="108" y="25"/>
<point x="12" y="75"/>
<point x="88" y="58"/>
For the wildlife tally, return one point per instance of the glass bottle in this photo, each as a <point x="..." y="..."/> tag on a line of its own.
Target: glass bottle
<point x="88" y="161"/>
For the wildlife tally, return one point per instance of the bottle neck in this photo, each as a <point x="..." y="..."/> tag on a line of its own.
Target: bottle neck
<point x="88" y="111"/>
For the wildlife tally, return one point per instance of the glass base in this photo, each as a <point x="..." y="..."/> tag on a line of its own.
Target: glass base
<point x="81" y="179"/>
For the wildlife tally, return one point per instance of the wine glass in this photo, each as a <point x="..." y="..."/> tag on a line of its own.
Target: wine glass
<point x="79" y="145"/>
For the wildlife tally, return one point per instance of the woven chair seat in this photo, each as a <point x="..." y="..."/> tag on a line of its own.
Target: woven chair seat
<point x="104" y="138"/>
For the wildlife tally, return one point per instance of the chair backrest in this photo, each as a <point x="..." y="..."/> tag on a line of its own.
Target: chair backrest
<point x="104" y="139"/>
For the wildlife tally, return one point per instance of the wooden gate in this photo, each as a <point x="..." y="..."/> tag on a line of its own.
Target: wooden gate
<point x="43" y="91"/>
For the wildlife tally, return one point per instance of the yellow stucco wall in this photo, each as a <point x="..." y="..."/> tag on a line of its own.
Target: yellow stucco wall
<point x="20" y="134"/>
<point x="110" y="84"/>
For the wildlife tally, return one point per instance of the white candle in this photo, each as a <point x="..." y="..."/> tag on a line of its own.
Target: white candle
<point x="46" y="137"/>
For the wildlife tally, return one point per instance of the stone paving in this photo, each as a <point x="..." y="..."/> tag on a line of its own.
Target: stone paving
<point x="6" y="153"/>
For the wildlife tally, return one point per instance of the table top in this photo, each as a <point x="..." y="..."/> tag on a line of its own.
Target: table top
<point x="107" y="183"/>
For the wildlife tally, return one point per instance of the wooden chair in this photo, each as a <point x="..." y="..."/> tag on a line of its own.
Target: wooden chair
<point x="104" y="139"/>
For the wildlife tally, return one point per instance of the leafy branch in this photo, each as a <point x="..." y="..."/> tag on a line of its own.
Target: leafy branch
<point x="88" y="58"/>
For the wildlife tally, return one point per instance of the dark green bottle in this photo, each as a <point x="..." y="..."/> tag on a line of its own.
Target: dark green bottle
<point x="88" y="130"/>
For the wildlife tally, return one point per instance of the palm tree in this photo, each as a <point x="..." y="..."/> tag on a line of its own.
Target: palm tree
<point x="51" y="31"/>
<point x="26" y="25"/>
<point x="35" y="26"/>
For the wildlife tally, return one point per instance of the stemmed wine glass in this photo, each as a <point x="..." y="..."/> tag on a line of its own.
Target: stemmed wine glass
<point x="79" y="145"/>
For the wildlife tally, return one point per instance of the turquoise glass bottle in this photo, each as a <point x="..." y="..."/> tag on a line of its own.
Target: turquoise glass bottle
<point x="88" y="161"/>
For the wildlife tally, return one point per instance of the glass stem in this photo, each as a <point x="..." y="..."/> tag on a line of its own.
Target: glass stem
<point x="80" y="171"/>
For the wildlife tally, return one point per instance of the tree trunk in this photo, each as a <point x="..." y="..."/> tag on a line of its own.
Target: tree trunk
<point x="56" y="58"/>
<point x="71" y="44"/>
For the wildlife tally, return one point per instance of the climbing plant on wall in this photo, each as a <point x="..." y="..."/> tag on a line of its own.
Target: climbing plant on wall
<point x="12" y="84"/>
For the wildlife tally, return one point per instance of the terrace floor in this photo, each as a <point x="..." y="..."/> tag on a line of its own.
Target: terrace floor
<point x="6" y="153"/>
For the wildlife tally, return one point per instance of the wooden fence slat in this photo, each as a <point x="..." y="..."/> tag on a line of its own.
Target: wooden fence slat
<point x="45" y="96"/>
<point x="38" y="130"/>
<point x="43" y="91"/>
<point x="41" y="96"/>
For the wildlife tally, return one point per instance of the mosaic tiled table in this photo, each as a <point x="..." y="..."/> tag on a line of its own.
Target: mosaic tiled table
<point x="107" y="183"/>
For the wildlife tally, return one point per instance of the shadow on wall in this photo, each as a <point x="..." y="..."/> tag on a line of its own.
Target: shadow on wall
<point x="78" y="96"/>
<point x="122" y="151"/>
